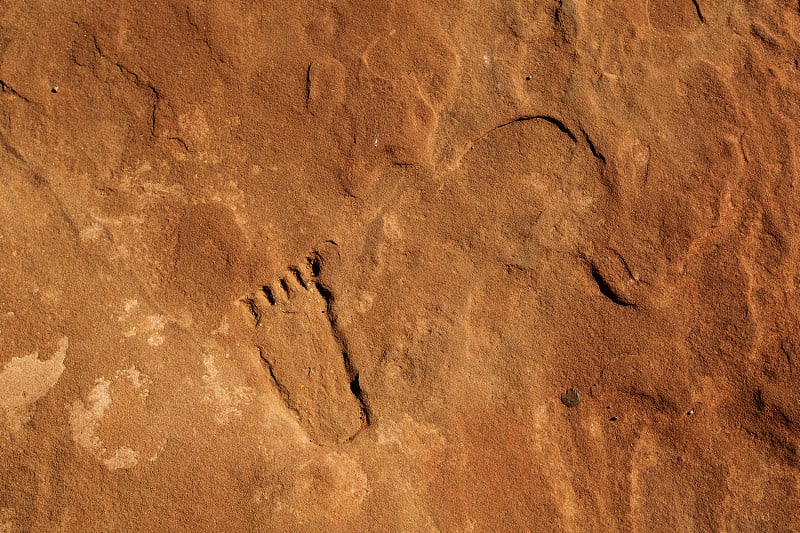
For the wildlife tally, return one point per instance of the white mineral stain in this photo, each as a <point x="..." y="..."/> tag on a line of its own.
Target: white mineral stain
<point x="150" y="325"/>
<point x="86" y="416"/>
<point x="25" y="380"/>
<point x="227" y="400"/>
<point x="155" y="326"/>
<point x="129" y="306"/>
<point x="138" y="380"/>
<point x="92" y="233"/>
<point x="123" y="457"/>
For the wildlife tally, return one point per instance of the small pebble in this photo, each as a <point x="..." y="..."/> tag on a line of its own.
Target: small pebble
<point x="571" y="397"/>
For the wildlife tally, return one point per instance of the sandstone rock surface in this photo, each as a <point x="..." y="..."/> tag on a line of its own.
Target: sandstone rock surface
<point x="338" y="265"/>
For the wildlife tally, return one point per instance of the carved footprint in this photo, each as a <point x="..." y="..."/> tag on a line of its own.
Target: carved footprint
<point x="298" y="340"/>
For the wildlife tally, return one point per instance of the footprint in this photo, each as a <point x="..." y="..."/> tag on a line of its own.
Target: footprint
<point x="306" y="358"/>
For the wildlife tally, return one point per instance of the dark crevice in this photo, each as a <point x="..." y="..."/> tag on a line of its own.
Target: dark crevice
<point x="211" y="52"/>
<point x="308" y="85"/>
<point x="352" y="373"/>
<point x="558" y="124"/>
<point x="284" y="285"/>
<point x="200" y="35"/>
<point x="355" y="387"/>
<point x="254" y="310"/>
<point x="8" y="89"/>
<point x="299" y="277"/>
<point x="325" y="293"/>
<point x="176" y="139"/>
<point x="606" y="290"/>
<point x="759" y="400"/>
<point x="547" y="118"/>
<point x="593" y="148"/>
<point x="562" y="127"/>
<point x="268" y="294"/>
<point x="154" y="111"/>
<point x="316" y="263"/>
<point x="699" y="12"/>
<point x="137" y="80"/>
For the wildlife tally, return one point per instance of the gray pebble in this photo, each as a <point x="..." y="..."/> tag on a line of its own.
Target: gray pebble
<point x="571" y="397"/>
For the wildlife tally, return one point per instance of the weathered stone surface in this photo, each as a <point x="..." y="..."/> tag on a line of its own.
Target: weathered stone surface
<point x="335" y="265"/>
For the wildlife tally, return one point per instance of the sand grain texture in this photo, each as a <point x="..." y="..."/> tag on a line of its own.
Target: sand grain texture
<point x="334" y="266"/>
